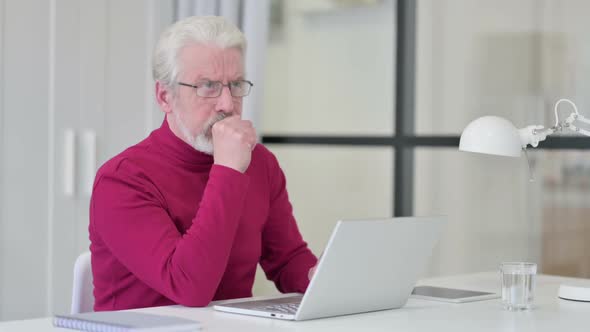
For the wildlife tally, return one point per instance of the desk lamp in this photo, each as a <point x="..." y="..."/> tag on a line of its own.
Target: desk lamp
<point x="498" y="136"/>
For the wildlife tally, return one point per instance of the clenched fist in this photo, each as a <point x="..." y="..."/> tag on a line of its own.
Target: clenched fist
<point x="233" y="142"/>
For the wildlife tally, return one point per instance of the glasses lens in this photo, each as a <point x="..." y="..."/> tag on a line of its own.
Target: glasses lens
<point x="209" y="89"/>
<point x="239" y="88"/>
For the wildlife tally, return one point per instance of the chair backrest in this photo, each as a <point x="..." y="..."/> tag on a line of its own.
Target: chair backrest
<point x="82" y="296"/>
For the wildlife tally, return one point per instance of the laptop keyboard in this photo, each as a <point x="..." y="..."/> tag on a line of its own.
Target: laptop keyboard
<point x="282" y="305"/>
<point x="286" y="308"/>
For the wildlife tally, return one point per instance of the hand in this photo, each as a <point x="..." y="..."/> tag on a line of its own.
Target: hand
<point x="233" y="142"/>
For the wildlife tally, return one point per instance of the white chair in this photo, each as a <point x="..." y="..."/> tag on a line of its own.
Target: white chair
<point x="82" y="296"/>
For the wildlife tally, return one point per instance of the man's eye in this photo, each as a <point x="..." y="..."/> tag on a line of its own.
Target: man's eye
<point x="208" y="84"/>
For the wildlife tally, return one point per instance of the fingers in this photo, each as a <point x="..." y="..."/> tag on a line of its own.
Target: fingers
<point x="242" y="130"/>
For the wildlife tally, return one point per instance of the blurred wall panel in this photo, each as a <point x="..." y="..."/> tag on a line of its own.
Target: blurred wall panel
<point x="68" y="66"/>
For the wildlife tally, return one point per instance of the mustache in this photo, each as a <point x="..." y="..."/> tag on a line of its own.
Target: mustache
<point x="210" y="123"/>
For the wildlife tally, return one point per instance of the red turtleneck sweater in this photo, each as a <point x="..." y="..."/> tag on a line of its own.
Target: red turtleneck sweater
<point x="169" y="227"/>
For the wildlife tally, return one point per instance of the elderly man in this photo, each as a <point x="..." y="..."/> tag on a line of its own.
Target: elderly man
<point x="185" y="216"/>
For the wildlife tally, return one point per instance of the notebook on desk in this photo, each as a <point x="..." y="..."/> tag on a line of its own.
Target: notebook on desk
<point x="123" y="321"/>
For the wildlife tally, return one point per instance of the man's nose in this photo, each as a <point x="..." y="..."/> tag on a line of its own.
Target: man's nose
<point x="225" y="101"/>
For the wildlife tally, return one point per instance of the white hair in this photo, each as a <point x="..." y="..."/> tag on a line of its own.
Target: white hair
<point x="195" y="29"/>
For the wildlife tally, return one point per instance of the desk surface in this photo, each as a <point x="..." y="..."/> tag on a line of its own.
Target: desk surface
<point x="549" y="314"/>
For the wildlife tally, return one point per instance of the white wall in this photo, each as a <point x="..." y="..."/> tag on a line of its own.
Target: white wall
<point x="24" y="188"/>
<point x="330" y="72"/>
<point x="103" y="52"/>
<point x="475" y="58"/>
<point x="66" y="64"/>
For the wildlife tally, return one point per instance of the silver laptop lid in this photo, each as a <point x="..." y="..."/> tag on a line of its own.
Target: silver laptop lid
<point x="370" y="265"/>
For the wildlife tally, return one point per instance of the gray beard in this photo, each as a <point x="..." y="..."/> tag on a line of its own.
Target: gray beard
<point x="202" y="142"/>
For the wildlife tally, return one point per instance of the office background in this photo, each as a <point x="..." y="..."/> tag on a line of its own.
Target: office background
<point x="76" y="89"/>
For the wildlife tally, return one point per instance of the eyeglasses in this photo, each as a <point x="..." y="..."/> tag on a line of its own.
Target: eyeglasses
<point x="212" y="89"/>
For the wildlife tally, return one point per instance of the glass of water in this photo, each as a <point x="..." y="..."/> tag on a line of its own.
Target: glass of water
<point x="518" y="285"/>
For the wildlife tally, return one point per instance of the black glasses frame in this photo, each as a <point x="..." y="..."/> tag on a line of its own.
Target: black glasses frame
<point x="196" y="86"/>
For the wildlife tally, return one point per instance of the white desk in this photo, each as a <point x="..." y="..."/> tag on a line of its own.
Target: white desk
<point x="550" y="314"/>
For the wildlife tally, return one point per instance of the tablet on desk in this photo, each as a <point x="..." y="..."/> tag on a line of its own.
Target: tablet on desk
<point x="450" y="294"/>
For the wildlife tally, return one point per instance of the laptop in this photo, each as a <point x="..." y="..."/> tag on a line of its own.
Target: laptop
<point x="368" y="265"/>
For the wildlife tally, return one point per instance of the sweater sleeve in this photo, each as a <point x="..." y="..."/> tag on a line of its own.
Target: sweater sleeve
<point x="286" y="259"/>
<point x="129" y="215"/>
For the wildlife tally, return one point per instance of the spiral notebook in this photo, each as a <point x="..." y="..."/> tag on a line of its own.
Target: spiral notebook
<point x="123" y="321"/>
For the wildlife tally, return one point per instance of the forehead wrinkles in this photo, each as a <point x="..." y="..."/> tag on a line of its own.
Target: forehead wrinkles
<point x="203" y="62"/>
<point x="221" y="65"/>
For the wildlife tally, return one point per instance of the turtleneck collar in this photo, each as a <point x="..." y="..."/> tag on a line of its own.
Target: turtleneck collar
<point x="174" y="147"/>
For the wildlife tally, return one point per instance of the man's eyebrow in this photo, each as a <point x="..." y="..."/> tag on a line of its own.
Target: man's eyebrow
<point x="201" y="77"/>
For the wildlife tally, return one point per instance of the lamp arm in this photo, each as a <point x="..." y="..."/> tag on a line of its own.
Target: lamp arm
<point x="533" y="135"/>
<point x="569" y="123"/>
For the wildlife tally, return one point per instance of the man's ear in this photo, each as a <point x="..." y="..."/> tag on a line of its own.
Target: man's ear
<point x="164" y="97"/>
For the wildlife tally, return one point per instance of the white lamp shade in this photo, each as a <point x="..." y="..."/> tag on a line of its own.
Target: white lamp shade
<point x="491" y="135"/>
